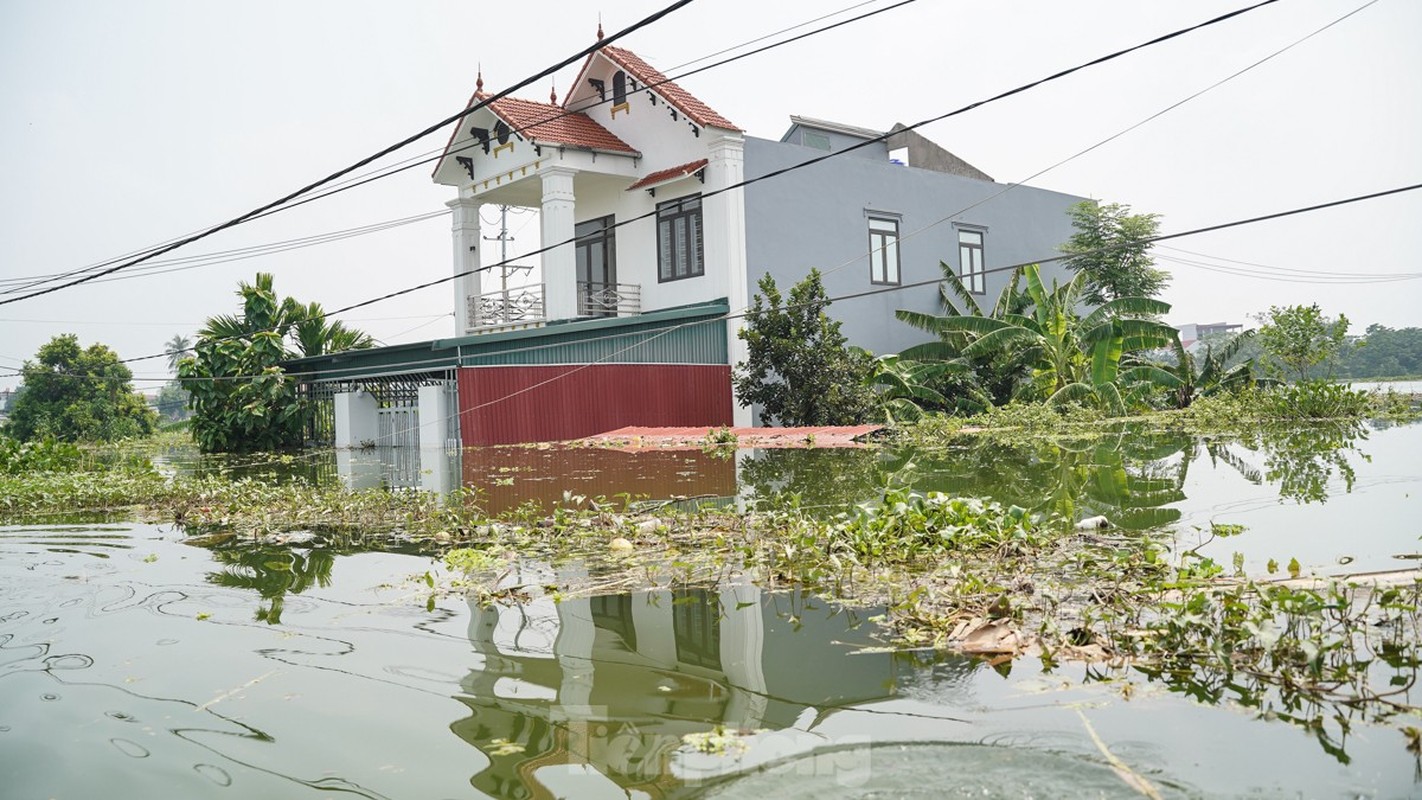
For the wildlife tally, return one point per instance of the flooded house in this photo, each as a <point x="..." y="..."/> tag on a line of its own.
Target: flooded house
<point x="658" y="217"/>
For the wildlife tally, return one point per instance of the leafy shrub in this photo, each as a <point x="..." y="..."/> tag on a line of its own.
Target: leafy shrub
<point x="1315" y="400"/>
<point x="41" y="455"/>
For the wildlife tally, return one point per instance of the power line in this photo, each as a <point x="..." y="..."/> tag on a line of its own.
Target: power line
<point x="157" y="267"/>
<point x="375" y="176"/>
<point x="809" y="162"/>
<point x="674" y="6"/>
<point x="1016" y="184"/>
<point x="838" y="153"/>
<point x="886" y="289"/>
<point x="1306" y="272"/>
<point x="414" y="161"/>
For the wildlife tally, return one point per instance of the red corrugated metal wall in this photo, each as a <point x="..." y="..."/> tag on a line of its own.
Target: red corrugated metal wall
<point x="508" y="405"/>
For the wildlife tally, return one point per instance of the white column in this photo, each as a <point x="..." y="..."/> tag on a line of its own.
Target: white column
<point x="724" y="233"/>
<point x="466" y="258"/>
<point x="434" y="417"/>
<point x="560" y="266"/>
<point x="355" y="418"/>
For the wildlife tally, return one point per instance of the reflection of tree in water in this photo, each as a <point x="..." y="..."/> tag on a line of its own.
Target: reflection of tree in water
<point x="834" y="477"/>
<point x="1125" y="474"/>
<point x="272" y="572"/>
<point x="1304" y="459"/>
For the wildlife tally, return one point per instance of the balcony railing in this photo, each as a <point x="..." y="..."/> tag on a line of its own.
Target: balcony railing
<point x="510" y="308"/>
<point x="609" y="299"/>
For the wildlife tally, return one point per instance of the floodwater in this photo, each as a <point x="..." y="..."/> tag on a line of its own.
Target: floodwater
<point x="135" y="665"/>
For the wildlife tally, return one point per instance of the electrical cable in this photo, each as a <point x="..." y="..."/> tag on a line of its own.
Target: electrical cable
<point x="334" y="372"/>
<point x="414" y="161"/>
<point x="812" y="161"/>
<point x="1039" y="173"/>
<point x="168" y="265"/>
<point x="286" y="199"/>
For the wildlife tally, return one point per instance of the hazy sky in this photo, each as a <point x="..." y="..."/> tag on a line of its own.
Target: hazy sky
<point x="128" y="124"/>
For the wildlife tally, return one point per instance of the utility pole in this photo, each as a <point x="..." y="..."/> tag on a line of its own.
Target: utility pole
<point x="503" y="239"/>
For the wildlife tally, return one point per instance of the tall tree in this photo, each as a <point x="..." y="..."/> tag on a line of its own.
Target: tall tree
<point x="79" y="394"/>
<point x="1111" y="248"/>
<point x="176" y="348"/>
<point x="799" y="369"/>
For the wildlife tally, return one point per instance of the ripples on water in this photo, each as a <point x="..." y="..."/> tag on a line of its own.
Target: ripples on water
<point x="132" y="665"/>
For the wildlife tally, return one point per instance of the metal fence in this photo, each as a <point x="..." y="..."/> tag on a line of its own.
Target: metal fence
<point x="397" y="416"/>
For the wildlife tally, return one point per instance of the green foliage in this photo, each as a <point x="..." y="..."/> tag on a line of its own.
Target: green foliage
<point x="1315" y="400"/>
<point x="1111" y="250"/>
<point x="241" y="400"/>
<point x="1190" y="378"/>
<point x="40" y="455"/>
<point x="75" y="394"/>
<point x="902" y="388"/>
<point x="1384" y="353"/>
<point x="176" y="348"/>
<point x="799" y="369"/>
<point x="1299" y="338"/>
<point x="906" y="526"/>
<point x="1073" y="358"/>
<point x="969" y="383"/>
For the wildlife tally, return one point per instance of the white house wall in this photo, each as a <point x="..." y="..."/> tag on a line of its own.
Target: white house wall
<point x="649" y="128"/>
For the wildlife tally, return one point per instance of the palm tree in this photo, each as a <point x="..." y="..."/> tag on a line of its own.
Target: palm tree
<point x="177" y="348"/>
<point x="1072" y="357"/>
<point x="315" y="334"/>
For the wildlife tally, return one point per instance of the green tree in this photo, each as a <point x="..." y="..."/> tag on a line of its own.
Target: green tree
<point x="1111" y="248"/>
<point x="799" y="369"/>
<point x="1300" y="338"/>
<point x="241" y="399"/>
<point x="78" y="394"/>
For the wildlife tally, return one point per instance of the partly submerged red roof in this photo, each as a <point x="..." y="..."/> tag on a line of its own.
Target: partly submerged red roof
<point x="684" y="101"/>
<point x="549" y="123"/>
<point x="663" y="175"/>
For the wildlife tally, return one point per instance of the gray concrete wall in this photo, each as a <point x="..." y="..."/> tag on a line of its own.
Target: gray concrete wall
<point x="817" y="217"/>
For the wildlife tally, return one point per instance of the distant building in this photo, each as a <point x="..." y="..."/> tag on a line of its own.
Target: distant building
<point x="650" y="243"/>
<point x="1194" y="334"/>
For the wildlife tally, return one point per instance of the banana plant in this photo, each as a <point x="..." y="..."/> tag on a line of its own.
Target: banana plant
<point x="1072" y="358"/>
<point x="903" y="387"/>
<point x="1189" y="379"/>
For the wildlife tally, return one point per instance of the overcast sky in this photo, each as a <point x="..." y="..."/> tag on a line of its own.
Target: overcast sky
<point x="128" y="124"/>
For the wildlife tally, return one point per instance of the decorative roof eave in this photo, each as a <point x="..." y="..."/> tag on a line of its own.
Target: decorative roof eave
<point x="454" y="134"/>
<point x="660" y="85"/>
<point x="665" y="176"/>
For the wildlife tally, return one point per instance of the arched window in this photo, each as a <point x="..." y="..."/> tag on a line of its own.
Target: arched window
<point x="619" y="88"/>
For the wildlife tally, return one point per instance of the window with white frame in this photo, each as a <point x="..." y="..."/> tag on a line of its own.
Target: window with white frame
<point x="971" y="269"/>
<point x="883" y="250"/>
<point x="679" y="239"/>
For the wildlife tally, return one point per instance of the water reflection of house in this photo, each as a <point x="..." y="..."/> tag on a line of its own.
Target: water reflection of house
<point x="508" y="477"/>
<point x="612" y="683"/>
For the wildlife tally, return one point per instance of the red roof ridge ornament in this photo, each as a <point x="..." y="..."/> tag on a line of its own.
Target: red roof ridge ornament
<point x="552" y="93"/>
<point x="599" y="27"/>
<point x="479" y="82"/>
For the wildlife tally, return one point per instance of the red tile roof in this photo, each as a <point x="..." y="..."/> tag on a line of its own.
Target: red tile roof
<point x="694" y="109"/>
<point x="663" y="175"/>
<point x="554" y="124"/>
